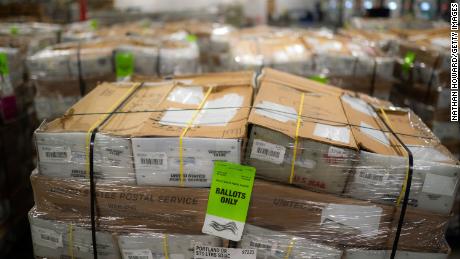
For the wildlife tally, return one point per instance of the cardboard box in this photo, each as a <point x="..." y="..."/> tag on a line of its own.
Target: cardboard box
<point x="327" y="143"/>
<point x="216" y="133"/>
<point x="334" y="125"/>
<point x="153" y="244"/>
<point x="95" y="58"/>
<point x="318" y="166"/>
<point x="52" y="100"/>
<point x="339" y="56"/>
<point x="379" y="178"/>
<point x="277" y="245"/>
<point x="71" y="60"/>
<point x="55" y="239"/>
<point x="281" y="49"/>
<point x="317" y="217"/>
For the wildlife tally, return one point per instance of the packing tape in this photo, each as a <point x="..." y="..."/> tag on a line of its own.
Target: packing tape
<point x="184" y="132"/>
<point x="165" y="246"/>
<point x="289" y="249"/>
<point x="296" y="141"/>
<point x="70" y="237"/>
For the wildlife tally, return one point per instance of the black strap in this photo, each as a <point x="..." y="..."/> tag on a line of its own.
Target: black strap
<point x="81" y="81"/>
<point x="373" y="78"/>
<point x="158" y="60"/>
<point x="232" y="244"/>
<point x="92" y="185"/>
<point x="430" y="83"/>
<point x="406" y="193"/>
<point x="92" y="193"/>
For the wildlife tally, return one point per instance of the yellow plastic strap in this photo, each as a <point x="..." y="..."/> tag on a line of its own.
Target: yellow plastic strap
<point x="101" y="119"/>
<point x="181" y="146"/>
<point x="296" y="141"/>
<point x="289" y="249"/>
<point x="70" y="237"/>
<point x="165" y="246"/>
<point x="406" y="178"/>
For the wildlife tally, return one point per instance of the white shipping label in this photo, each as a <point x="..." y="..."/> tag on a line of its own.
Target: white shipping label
<point x="439" y="184"/>
<point x="268" y="152"/>
<point x="371" y="176"/>
<point x="352" y="219"/>
<point x="54" y="153"/>
<point x="152" y="160"/>
<point x="46" y="237"/>
<point x="276" y="111"/>
<point x="334" y="133"/>
<point x="209" y="252"/>
<point x="137" y="254"/>
<point x="266" y="248"/>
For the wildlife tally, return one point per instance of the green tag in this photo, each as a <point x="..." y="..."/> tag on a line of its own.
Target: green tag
<point x="93" y="23"/>
<point x="409" y="59"/>
<point x="319" y="78"/>
<point x="191" y="38"/>
<point x="4" y="69"/>
<point x="229" y="198"/>
<point x="14" y="30"/>
<point x="124" y="64"/>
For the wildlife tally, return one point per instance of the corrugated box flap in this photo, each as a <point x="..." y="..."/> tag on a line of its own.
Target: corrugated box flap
<point x="86" y="112"/>
<point x="277" y="107"/>
<point x="166" y="108"/>
<point x="300" y="83"/>
<point x="370" y="132"/>
<point x="223" y="115"/>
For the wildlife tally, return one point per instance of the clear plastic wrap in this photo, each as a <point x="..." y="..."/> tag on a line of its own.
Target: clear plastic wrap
<point x="80" y="66"/>
<point x="29" y="37"/>
<point x="326" y="158"/>
<point x="123" y="144"/>
<point x="331" y="166"/>
<point x="321" y="218"/>
<point x="359" y="66"/>
<point x="265" y="46"/>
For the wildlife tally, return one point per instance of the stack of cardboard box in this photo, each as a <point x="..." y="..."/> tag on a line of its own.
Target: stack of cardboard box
<point x="315" y="53"/>
<point x="323" y="187"/>
<point x="425" y="82"/>
<point x="17" y="123"/>
<point x="63" y="73"/>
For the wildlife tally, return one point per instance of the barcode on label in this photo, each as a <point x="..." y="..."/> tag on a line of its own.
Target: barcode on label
<point x="138" y="257"/>
<point x="368" y="176"/>
<point x="56" y="154"/>
<point x="260" y="245"/>
<point x="137" y="254"/>
<point x="151" y="161"/>
<point x="46" y="237"/>
<point x="49" y="238"/>
<point x="267" y="151"/>
<point x="371" y="176"/>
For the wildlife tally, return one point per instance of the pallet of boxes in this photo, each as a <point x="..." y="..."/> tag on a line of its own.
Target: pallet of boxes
<point x="17" y="124"/>
<point x="424" y="72"/>
<point x="65" y="72"/>
<point x="125" y="173"/>
<point x="320" y="54"/>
